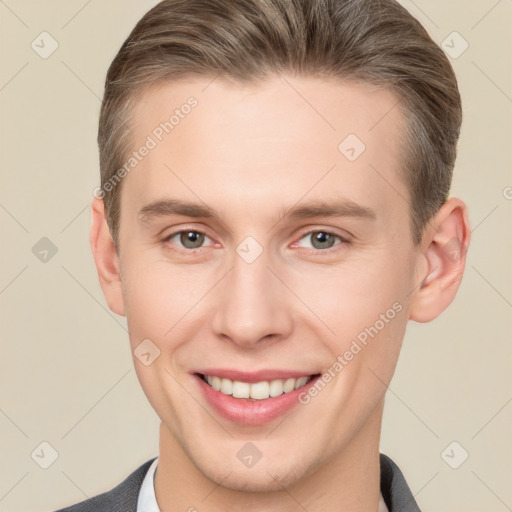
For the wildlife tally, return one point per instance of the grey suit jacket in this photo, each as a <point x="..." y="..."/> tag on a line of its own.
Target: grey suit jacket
<point x="123" y="498"/>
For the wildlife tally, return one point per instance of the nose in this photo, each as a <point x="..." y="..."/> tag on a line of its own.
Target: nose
<point x="253" y="305"/>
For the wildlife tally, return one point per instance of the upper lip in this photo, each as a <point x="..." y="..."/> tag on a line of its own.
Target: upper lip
<point x="258" y="376"/>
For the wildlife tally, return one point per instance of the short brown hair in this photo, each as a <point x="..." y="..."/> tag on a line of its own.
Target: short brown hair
<point x="371" y="41"/>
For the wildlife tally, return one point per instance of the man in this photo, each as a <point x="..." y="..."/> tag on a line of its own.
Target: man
<point x="273" y="211"/>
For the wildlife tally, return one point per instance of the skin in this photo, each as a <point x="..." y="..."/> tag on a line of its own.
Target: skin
<point x="250" y="152"/>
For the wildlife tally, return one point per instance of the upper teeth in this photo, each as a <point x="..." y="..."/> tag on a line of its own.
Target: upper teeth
<point x="256" y="390"/>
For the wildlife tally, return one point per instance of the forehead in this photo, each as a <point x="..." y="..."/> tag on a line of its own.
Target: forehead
<point x="284" y="137"/>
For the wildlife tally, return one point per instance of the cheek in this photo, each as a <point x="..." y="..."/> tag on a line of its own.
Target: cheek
<point x="361" y="307"/>
<point x="159" y="297"/>
<point x="355" y="292"/>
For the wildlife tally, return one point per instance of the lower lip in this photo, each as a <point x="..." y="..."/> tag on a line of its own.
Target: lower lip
<point x="246" y="411"/>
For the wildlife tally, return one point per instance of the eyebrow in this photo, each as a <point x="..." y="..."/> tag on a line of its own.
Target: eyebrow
<point x="168" y="207"/>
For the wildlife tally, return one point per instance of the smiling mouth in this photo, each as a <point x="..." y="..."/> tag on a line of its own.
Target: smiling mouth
<point x="255" y="390"/>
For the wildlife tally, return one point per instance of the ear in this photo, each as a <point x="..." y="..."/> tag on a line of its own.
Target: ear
<point x="444" y="249"/>
<point x="106" y="258"/>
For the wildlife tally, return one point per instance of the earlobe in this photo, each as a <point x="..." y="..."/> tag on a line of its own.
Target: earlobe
<point x="446" y="245"/>
<point x="106" y="258"/>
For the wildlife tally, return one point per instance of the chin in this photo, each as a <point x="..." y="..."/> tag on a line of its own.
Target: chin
<point x="260" y="479"/>
<point x="255" y="483"/>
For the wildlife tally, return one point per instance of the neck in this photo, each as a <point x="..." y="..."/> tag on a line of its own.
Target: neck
<point x="348" y="481"/>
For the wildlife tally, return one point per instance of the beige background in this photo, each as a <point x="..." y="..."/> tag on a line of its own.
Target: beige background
<point x="66" y="372"/>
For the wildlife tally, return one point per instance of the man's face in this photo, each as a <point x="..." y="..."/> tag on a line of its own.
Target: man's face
<point x="257" y="293"/>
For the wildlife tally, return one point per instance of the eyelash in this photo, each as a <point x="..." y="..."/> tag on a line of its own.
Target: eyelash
<point x="343" y="241"/>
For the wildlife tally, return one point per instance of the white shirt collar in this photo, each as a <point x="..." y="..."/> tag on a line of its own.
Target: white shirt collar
<point x="147" y="498"/>
<point x="382" y="505"/>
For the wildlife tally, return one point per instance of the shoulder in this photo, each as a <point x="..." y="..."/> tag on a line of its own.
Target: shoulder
<point x="394" y="488"/>
<point x="122" y="498"/>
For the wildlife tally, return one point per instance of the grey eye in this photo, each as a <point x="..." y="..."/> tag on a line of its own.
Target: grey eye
<point x="190" y="239"/>
<point x="321" y="239"/>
